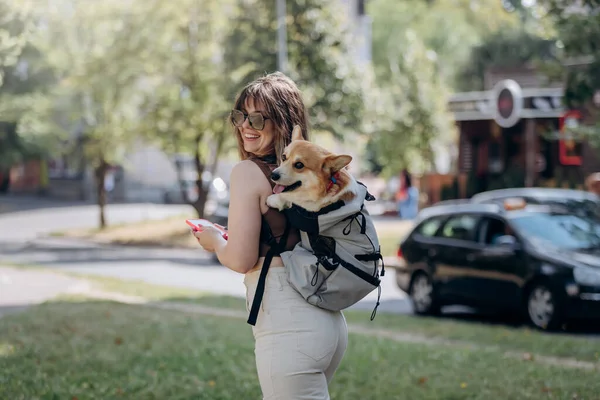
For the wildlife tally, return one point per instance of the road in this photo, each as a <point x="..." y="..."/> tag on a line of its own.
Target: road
<point x="24" y="240"/>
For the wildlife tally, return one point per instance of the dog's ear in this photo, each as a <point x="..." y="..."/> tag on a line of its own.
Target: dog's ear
<point x="335" y="163"/>
<point x="297" y="133"/>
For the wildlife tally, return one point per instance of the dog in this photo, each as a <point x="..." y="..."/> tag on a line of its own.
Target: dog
<point x="311" y="177"/>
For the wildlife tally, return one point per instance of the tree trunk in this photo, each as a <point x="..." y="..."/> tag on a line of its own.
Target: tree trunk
<point x="200" y="202"/>
<point x="100" y="174"/>
<point x="218" y="149"/>
<point x="180" y="180"/>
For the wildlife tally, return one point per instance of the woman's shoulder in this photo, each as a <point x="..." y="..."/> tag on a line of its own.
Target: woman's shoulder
<point x="247" y="171"/>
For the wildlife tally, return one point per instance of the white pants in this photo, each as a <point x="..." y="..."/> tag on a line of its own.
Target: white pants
<point x="298" y="346"/>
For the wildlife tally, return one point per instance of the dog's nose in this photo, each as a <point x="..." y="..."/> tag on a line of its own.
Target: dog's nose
<point x="275" y="176"/>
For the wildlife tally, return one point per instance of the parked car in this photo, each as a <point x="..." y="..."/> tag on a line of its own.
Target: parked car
<point x="539" y="260"/>
<point x="577" y="201"/>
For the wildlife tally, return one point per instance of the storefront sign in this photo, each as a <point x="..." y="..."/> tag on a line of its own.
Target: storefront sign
<point x="508" y="103"/>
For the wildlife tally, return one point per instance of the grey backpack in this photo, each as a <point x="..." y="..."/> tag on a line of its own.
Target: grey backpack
<point x="337" y="262"/>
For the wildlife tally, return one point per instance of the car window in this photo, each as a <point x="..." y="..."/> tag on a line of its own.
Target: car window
<point x="491" y="229"/>
<point x="429" y="228"/>
<point x="459" y="227"/>
<point x="563" y="231"/>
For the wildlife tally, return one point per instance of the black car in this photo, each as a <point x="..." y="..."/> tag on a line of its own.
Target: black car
<point x="542" y="260"/>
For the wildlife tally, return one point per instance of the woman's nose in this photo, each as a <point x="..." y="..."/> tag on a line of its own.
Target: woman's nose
<point x="246" y="123"/>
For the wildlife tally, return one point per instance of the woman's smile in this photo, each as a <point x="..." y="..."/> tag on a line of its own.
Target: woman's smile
<point x="250" y="136"/>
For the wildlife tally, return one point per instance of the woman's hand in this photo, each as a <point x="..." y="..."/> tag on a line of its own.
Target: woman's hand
<point x="209" y="238"/>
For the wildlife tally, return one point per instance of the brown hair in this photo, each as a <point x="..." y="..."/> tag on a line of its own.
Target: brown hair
<point x="283" y="104"/>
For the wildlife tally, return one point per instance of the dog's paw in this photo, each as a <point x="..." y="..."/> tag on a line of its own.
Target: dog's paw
<point x="276" y="201"/>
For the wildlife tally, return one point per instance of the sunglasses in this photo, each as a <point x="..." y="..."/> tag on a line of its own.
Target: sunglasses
<point x="256" y="120"/>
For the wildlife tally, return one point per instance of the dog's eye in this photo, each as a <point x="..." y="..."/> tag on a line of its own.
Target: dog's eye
<point x="283" y="157"/>
<point x="298" y="165"/>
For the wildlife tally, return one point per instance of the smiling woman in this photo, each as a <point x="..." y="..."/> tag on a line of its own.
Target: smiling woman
<point x="298" y="346"/>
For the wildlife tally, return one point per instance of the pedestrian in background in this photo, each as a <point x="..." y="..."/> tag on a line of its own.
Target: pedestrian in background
<point x="407" y="197"/>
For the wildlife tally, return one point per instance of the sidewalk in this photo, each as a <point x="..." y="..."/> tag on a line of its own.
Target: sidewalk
<point x="21" y="288"/>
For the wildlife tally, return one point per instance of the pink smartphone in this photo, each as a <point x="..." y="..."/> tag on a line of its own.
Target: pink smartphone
<point x="195" y="224"/>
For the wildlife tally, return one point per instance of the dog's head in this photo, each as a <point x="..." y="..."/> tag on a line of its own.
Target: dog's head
<point x="308" y="169"/>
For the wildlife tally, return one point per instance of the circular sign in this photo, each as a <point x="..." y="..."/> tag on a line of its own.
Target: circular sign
<point x="508" y="103"/>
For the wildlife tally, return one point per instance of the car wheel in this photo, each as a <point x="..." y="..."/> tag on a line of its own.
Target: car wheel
<point x="543" y="307"/>
<point x="423" y="295"/>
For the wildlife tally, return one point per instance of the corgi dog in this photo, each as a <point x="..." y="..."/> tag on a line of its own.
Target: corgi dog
<point x="310" y="177"/>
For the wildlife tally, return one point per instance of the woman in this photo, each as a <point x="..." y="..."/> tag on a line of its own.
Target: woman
<point x="407" y="197"/>
<point x="298" y="346"/>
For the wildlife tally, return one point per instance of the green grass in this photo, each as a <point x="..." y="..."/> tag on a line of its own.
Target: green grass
<point x="389" y="243"/>
<point x="504" y="337"/>
<point x="94" y="350"/>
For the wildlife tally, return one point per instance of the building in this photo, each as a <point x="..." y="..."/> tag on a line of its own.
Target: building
<point x="510" y="135"/>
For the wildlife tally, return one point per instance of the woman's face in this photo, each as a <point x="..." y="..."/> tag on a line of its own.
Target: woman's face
<point x="259" y="143"/>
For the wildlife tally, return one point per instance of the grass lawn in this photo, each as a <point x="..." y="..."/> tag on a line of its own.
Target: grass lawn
<point x="100" y="350"/>
<point x="503" y="337"/>
<point x="173" y="232"/>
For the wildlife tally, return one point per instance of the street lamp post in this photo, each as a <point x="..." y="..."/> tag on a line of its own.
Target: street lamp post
<point x="281" y="37"/>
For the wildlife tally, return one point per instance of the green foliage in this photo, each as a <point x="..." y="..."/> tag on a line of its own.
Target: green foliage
<point x="14" y="28"/>
<point x="22" y="76"/>
<point x="459" y="25"/>
<point x="318" y="57"/>
<point x="416" y="68"/>
<point x="407" y="113"/>
<point x="579" y="32"/>
<point x="505" y="49"/>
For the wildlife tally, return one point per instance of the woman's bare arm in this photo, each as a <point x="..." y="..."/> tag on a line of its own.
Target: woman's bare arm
<point x="240" y="252"/>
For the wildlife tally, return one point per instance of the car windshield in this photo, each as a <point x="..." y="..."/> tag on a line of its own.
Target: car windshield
<point x="581" y="207"/>
<point x="565" y="231"/>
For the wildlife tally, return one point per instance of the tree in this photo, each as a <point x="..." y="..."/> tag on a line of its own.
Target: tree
<point x="413" y="71"/>
<point x="578" y="26"/>
<point x="97" y="53"/>
<point x="319" y="58"/>
<point x="407" y="115"/>
<point x="14" y="28"/>
<point x="577" y="29"/>
<point x="459" y="26"/>
<point x="186" y="111"/>
<point x="513" y="48"/>
<point x="13" y="38"/>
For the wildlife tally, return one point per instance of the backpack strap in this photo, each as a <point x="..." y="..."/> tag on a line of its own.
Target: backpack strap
<point x="275" y="250"/>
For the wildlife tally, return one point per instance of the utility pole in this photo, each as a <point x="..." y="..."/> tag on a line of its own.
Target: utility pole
<point x="282" y="60"/>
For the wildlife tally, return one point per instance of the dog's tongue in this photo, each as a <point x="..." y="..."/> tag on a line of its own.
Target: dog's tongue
<point x="278" y="189"/>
